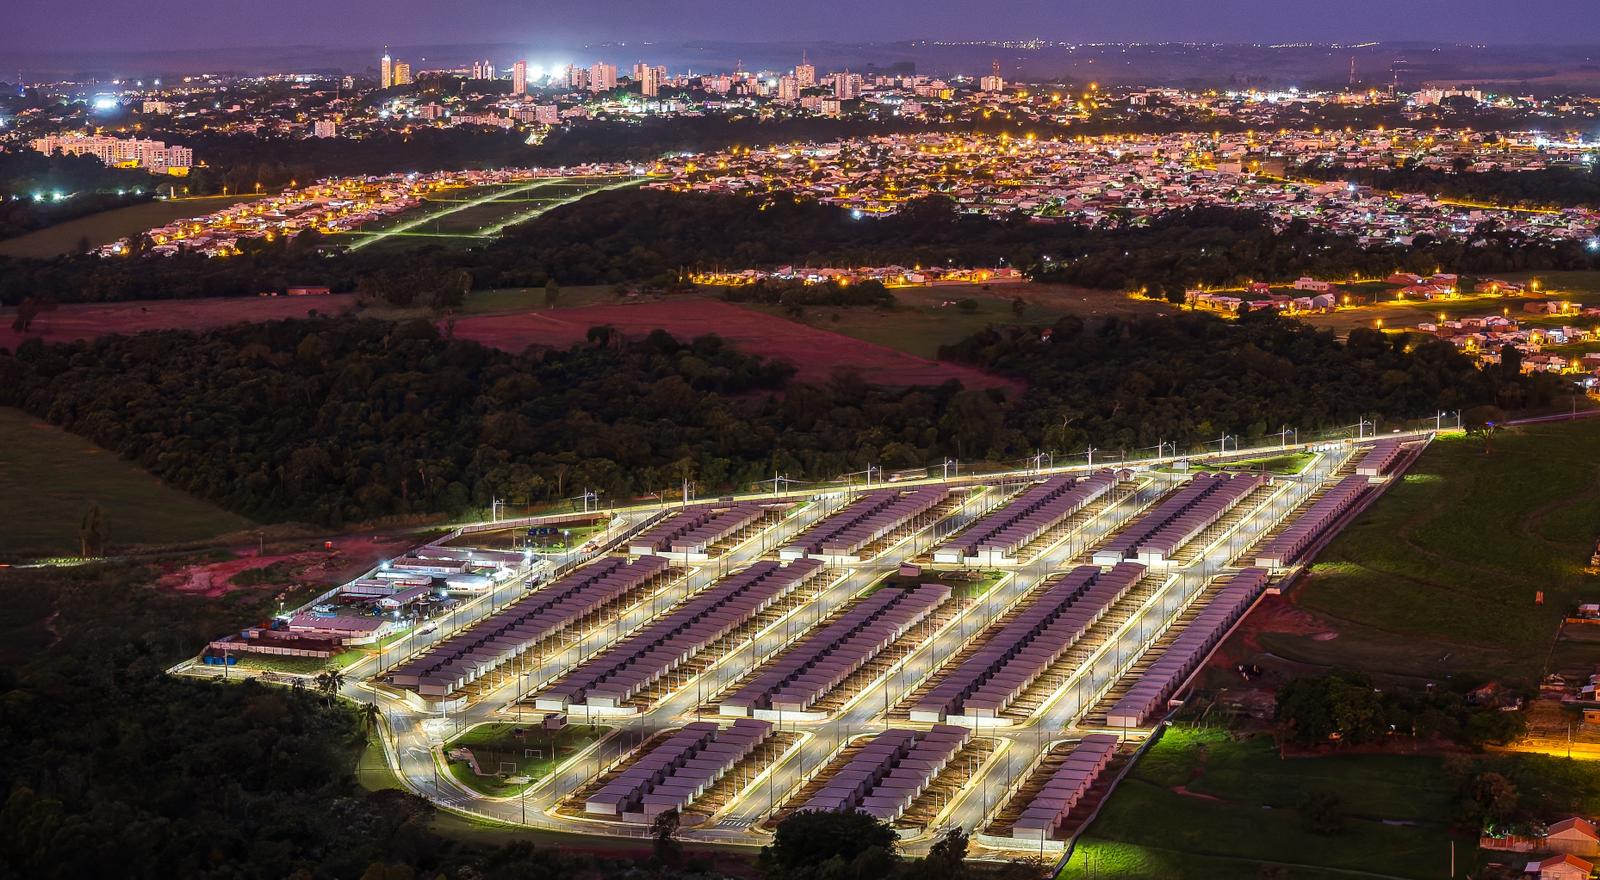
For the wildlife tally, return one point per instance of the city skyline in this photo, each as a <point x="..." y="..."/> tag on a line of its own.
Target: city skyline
<point x="35" y="25"/>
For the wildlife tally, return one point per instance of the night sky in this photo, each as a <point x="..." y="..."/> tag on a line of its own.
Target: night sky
<point x="184" y="24"/>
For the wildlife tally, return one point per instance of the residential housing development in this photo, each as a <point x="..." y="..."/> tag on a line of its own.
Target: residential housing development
<point x="895" y="648"/>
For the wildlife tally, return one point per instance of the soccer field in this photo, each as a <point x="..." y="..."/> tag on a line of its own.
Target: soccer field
<point x="468" y="216"/>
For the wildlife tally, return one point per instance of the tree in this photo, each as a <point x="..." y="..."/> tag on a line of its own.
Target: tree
<point x="1342" y="707"/>
<point x="1490" y="799"/>
<point x="27" y="310"/>
<point x="370" y="713"/>
<point x="1481" y="421"/>
<point x="1018" y="306"/>
<point x="947" y="857"/>
<point x="809" y="838"/>
<point x="1493" y="727"/>
<point x="664" y="836"/>
<point x="92" y="534"/>
<point x="552" y="293"/>
<point x="329" y="681"/>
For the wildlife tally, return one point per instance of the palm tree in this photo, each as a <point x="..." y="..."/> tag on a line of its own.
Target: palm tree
<point x="369" y="717"/>
<point x="329" y="682"/>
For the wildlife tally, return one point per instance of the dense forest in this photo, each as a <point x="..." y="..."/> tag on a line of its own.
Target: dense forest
<point x="651" y="237"/>
<point x="1131" y="383"/>
<point x="338" y="421"/>
<point x="1546" y="187"/>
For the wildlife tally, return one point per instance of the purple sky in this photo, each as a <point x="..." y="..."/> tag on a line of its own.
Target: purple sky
<point x="184" y="24"/>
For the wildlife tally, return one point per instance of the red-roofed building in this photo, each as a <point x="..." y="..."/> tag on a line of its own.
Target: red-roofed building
<point x="1562" y="867"/>
<point x="1574" y="836"/>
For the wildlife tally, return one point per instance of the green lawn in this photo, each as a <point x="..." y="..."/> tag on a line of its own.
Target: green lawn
<point x="921" y="323"/>
<point x="1439" y="576"/>
<point x="50" y="478"/>
<point x="1560" y="284"/>
<point x="373" y="772"/>
<point x="1288" y="463"/>
<point x="1396" y="808"/>
<point x="495" y="743"/>
<point x="108" y="226"/>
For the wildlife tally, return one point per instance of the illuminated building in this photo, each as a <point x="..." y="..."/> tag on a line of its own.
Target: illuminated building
<point x="136" y="152"/>
<point x="789" y="89"/>
<point x="602" y="77"/>
<point x="402" y="73"/>
<point x="519" y="78"/>
<point x="993" y="82"/>
<point x="648" y="78"/>
<point x="386" y="75"/>
<point x="847" y="86"/>
<point x="805" y="73"/>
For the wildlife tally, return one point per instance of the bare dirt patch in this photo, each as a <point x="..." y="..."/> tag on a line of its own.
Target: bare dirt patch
<point x="299" y="563"/>
<point x="816" y="353"/>
<point x="70" y="323"/>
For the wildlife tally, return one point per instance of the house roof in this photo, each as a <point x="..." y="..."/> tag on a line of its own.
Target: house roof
<point x="1566" y="859"/>
<point x="1576" y="823"/>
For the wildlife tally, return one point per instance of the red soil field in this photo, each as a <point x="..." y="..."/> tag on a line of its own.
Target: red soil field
<point x="817" y="353"/>
<point x="87" y="320"/>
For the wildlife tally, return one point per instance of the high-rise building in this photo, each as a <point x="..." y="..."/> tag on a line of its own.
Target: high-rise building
<point x="402" y="73"/>
<point x="789" y="89"/>
<point x="386" y="72"/>
<point x="602" y="77"/>
<point x="847" y="86"/>
<point x="130" y="152"/>
<point x="993" y="82"/>
<point x="519" y="78"/>
<point x="577" y="77"/>
<point x="324" y="128"/>
<point x="648" y="78"/>
<point x="805" y="73"/>
<point x="477" y="70"/>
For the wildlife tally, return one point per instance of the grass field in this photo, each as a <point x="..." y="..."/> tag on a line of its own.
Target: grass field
<point x="1238" y="818"/>
<point x="1288" y="463"/>
<point x="497" y="743"/>
<point x="1438" y="577"/>
<point x="50" y="478"/>
<point x="525" y="299"/>
<point x="927" y="317"/>
<point x="108" y="226"/>
<point x="469" y="215"/>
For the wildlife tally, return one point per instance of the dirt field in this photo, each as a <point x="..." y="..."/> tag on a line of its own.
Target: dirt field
<point x="304" y="561"/>
<point x="88" y="320"/>
<point x="816" y="352"/>
<point x="505" y="325"/>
